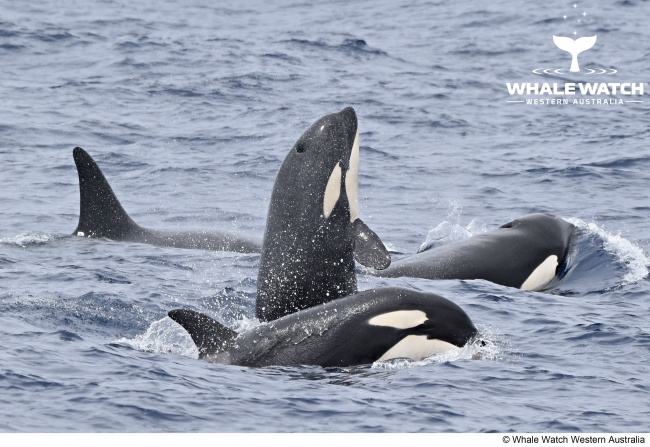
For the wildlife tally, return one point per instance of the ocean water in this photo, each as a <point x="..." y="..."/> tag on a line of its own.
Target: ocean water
<point x="190" y="107"/>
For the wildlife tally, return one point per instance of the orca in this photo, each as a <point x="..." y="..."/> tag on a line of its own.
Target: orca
<point x="313" y="231"/>
<point x="526" y="253"/>
<point x="102" y="215"/>
<point x="373" y="325"/>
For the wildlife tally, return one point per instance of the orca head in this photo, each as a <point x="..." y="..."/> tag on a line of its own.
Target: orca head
<point x="388" y="323"/>
<point x="423" y="330"/>
<point x="320" y="172"/>
<point x="552" y="238"/>
<point x="317" y="189"/>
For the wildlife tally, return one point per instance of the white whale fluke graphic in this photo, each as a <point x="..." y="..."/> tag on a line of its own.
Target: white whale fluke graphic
<point x="574" y="47"/>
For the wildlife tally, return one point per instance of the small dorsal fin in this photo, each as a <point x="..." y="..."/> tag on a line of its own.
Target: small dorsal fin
<point x="101" y="214"/>
<point x="209" y="336"/>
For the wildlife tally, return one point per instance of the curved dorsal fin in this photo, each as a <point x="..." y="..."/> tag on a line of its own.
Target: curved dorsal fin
<point x="209" y="336"/>
<point x="101" y="214"/>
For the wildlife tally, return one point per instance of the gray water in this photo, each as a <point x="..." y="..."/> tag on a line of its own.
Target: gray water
<point x="189" y="111"/>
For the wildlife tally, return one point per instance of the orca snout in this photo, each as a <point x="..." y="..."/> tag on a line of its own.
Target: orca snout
<point x="349" y="115"/>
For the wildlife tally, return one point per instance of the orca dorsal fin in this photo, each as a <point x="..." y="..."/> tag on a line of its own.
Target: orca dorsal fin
<point x="209" y="336"/>
<point x="100" y="214"/>
<point x="369" y="250"/>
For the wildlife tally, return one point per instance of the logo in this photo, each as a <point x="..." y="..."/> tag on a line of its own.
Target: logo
<point x="574" y="47"/>
<point x="574" y="92"/>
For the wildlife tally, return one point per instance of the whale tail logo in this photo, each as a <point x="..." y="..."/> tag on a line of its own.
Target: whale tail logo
<point x="574" y="47"/>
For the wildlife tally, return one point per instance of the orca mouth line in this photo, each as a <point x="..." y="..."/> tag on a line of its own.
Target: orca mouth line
<point x="561" y="71"/>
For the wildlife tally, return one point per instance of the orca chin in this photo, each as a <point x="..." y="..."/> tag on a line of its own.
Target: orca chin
<point x="374" y="325"/>
<point x="102" y="215"/>
<point x="527" y="253"/>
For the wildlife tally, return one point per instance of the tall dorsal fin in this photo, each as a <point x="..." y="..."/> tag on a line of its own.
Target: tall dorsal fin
<point x="101" y="214"/>
<point x="209" y="336"/>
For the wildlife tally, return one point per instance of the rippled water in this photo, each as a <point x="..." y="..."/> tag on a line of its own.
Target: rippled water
<point x="189" y="110"/>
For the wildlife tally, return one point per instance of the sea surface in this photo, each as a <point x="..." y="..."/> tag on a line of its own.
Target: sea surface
<point x="189" y="109"/>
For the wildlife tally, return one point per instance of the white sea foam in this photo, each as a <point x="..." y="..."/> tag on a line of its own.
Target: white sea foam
<point x="245" y="324"/>
<point x="628" y="253"/>
<point x="450" y="230"/>
<point x="164" y="337"/>
<point x="24" y="239"/>
<point x="488" y="346"/>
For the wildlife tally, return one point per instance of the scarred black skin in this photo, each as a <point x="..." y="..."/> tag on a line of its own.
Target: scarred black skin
<point x="306" y="259"/>
<point x="102" y="215"/>
<point x="505" y="256"/>
<point x="337" y="333"/>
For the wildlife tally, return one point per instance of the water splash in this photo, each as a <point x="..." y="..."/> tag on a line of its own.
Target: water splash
<point x="26" y="239"/>
<point x="245" y="324"/>
<point x="625" y="251"/>
<point x="450" y="230"/>
<point x="164" y="337"/>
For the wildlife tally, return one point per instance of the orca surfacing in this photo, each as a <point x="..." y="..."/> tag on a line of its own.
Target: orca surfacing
<point x="526" y="253"/>
<point x="102" y="215"/>
<point x="373" y="325"/>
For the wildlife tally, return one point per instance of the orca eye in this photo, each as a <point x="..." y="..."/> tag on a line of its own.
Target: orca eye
<point x="300" y="148"/>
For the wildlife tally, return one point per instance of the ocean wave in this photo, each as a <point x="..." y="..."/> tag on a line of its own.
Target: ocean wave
<point x="350" y="45"/>
<point x="163" y="337"/>
<point x="625" y="251"/>
<point x="31" y="238"/>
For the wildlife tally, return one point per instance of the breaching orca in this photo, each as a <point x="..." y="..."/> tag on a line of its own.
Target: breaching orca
<point x="526" y="253"/>
<point x="313" y="231"/>
<point x="102" y="215"/>
<point x="370" y="326"/>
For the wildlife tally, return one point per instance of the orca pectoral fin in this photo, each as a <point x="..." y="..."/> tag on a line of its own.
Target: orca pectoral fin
<point x="209" y="336"/>
<point x="369" y="250"/>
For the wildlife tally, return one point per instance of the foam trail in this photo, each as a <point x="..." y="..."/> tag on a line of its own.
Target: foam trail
<point x="164" y="337"/>
<point x="628" y="253"/>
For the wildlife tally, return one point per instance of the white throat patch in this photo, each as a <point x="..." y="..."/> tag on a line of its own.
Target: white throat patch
<point x="352" y="180"/>
<point x="400" y="319"/>
<point x="416" y="347"/>
<point x="332" y="191"/>
<point x="542" y="275"/>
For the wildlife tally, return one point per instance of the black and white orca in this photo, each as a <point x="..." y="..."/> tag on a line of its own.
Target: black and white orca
<point x="526" y="253"/>
<point x="102" y="215"/>
<point x="374" y="325"/>
<point x="313" y="231"/>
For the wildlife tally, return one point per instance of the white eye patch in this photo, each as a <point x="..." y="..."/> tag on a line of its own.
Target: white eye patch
<point x="400" y="319"/>
<point x="542" y="275"/>
<point x="332" y="191"/>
